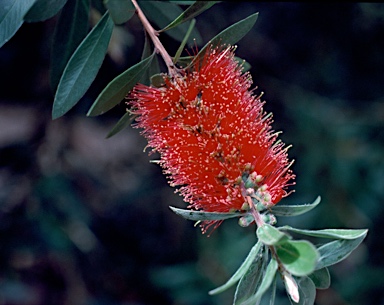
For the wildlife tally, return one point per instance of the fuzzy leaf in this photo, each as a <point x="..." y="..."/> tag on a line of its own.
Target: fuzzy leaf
<point x="120" y="125"/>
<point x="250" y="282"/>
<point x="201" y="215"/>
<point x="269" y="235"/>
<point x="299" y="257"/>
<point x="335" y="251"/>
<point x="71" y="28"/>
<point x="329" y="233"/>
<point x="294" y="210"/>
<point x="268" y="277"/>
<point x="191" y="12"/>
<point x="256" y="249"/>
<point x="11" y="17"/>
<point x="43" y="10"/>
<point x="120" y="10"/>
<point x="307" y="291"/>
<point x="82" y="67"/>
<point x="321" y="278"/>
<point x="117" y="89"/>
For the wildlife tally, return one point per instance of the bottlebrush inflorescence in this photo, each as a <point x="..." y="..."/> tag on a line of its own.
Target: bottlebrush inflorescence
<point x="214" y="139"/>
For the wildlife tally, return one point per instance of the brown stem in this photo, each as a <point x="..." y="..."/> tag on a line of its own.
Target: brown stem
<point x="156" y="41"/>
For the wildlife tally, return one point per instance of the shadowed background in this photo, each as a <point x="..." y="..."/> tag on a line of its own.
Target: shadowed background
<point x="85" y="220"/>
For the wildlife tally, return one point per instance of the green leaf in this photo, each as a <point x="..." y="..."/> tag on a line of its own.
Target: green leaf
<point x="120" y="125"/>
<point x="335" y="251"/>
<point x="82" y="67"/>
<point x="118" y="88"/>
<point x="251" y="280"/>
<point x="11" y="17"/>
<point x="154" y="67"/>
<point x="273" y="292"/>
<point x="163" y="13"/>
<point x="191" y="12"/>
<point x="201" y="215"/>
<point x="307" y="291"/>
<point x="256" y="249"/>
<point x="268" y="278"/>
<point x="299" y="257"/>
<point x="329" y="233"/>
<point x="270" y="235"/>
<point x="184" y="42"/>
<point x="294" y="210"/>
<point x="71" y="28"/>
<point x="321" y="278"/>
<point x="44" y="9"/>
<point x="230" y="35"/>
<point x="120" y="10"/>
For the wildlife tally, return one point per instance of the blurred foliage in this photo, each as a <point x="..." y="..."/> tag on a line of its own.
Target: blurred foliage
<point x="85" y="220"/>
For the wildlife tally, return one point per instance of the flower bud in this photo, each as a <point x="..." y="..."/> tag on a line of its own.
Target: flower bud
<point x="291" y="287"/>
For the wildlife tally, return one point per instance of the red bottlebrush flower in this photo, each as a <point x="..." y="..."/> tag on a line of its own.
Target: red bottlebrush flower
<point x="213" y="135"/>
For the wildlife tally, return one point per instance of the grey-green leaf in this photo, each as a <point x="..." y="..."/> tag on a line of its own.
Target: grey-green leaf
<point x="44" y="9"/>
<point x="321" y="278"/>
<point x="251" y="280"/>
<point x="120" y="10"/>
<point x="294" y="210"/>
<point x="335" y="251"/>
<point x="269" y="235"/>
<point x="307" y="291"/>
<point x="71" y="28"/>
<point x="118" y="88"/>
<point x="120" y="125"/>
<point x="201" y="215"/>
<point x="268" y="278"/>
<point x="11" y="17"/>
<point x="82" y="67"/>
<point x="299" y="257"/>
<point x="256" y="249"/>
<point x="191" y="12"/>
<point x="329" y="233"/>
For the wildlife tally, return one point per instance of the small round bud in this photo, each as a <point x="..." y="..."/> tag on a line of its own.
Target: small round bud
<point x="246" y="220"/>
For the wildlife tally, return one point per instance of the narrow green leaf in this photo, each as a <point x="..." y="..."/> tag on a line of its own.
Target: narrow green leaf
<point x="11" y="17"/>
<point x="335" y="251"/>
<point x="154" y="67"/>
<point x="299" y="257"/>
<point x="230" y="35"/>
<point x="120" y="10"/>
<point x="241" y="271"/>
<point x="201" y="215"/>
<point x="321" y="278"/>
<point x="163" y="13"/>
<point x="268" y="277"/>
<point x="307" y="291"/>
<point x="184" y="42"/>
<point x="71" y="28"/>
<point x="44" y="9"/>
<point x="329" y="233"/>
<point x="270" y="235"/>
<point x="118" y="88"/>
<point x="191" y="12"/>
<point x="82" y="67"/>
<point x="273" y="292"/>
<point x="251" y="280"/>
<point x="184" y="61"/>
<point x="120" y="125"/>
<point x="294" y="210"/>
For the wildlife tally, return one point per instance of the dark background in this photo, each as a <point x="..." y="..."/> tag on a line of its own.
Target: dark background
<point x="85" y="220"/>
